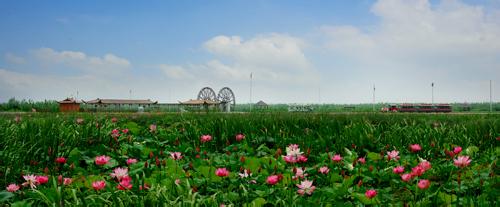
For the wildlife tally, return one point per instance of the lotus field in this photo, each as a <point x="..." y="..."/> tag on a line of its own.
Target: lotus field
<point x="268" y="159"/>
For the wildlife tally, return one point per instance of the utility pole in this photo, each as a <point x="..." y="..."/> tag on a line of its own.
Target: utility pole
<point x="432" y="86"/>
<point x="373" y="101"/>
<point x="491" y="98"/>
<point x="251" y="77"/>
<point x="130" y="94"/>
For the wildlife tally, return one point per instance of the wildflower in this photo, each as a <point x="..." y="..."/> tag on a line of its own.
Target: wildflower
<point x="398" y="169"/>
<point x="125" y="131"/>
<point x="293" y="150"/>
<point x="426" y="165"/>
<point x="457" y="150"/>
<point x="30" y="181"/>
<point x="362" y="160"/>
<point x="462" y="161"/>
<point x="240" y="137"/>
<point x="246" y="173"/>
<point x="131" y="161"/>
<point x="417" y="171"/>
<point x="176" y="155"/>
<point x="406" y="177"/>
<point x="423" y="184"/>
<point x="42" y="179"/>
<point x="114" y="120"/>
<point x="415" y="148"/>
<point x="290" y="159"/>
<point x="299" y="173"/>
<point x="99" y="185"/>
<point x="67" y="181"/>
<point x="324" y="170"/>
<point x="115" y="133"/>
<point x="13" y="188"/>
<point x="119" y="173"/>
<point x="125" y="184"/>
<point x="306" y="187"/>
<point x="222" y="172"/>
<point x="337" y="158"/>
<point x="393" y="155"/>
<point x="205" y="138"/>
<point x="370" y="193"/>
<point x="152" y="128"/>
<point x="102" y="160"/>
<point x="272" y="179"/>
<point x="302" y="158"/>
<point x="61" y="160"/>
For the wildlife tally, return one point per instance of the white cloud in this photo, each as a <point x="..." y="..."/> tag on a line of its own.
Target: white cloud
<point x="14" y="59"/>
<point x="109" y="63"/>
<point x="175" y="72"/>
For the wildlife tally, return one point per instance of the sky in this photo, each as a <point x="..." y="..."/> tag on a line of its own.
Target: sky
<point x="298" y="51"/>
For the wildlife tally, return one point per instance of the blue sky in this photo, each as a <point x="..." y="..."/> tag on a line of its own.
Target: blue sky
<point x="299" y="51"/>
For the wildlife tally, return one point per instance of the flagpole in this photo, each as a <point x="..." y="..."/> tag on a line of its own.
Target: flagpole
<point x="432" y="86"/>
<point x="251" y="77"/>
<point x="373" y="102"/>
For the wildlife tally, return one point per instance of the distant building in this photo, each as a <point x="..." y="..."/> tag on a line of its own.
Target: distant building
<point x="69" y="105"/>
<point x="120" y="104"/>
<point x="261" y="105"/>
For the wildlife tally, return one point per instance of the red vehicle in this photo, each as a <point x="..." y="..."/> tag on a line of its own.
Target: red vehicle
<point x="422" y="108"/>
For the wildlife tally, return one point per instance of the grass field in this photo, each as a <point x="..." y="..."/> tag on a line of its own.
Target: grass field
<point x="249" y="159"/>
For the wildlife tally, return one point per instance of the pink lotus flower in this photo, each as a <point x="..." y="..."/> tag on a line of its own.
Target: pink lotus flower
<point x="362" y="160"/>
<point x="457" y="150"/>
<point x="222" y="172"/>
<point x="125" y="131"/>
<point x="337" y="158"/>
<point x="119" y="173"/>
<point x="393" y="155"/>
<point x="13" y="188"/>
<point x="125" y="184"/>
<point x="152" y="128"/>
<point x="462" y="161"/>
<point x="324" y="170"/>
<point x="205" y="138"/>
<point x="99" y="185"/>
<point x="67" y="181"/>
<point x="426" y="165"/>
<point x="417" y="171"/>
<point x="115" y="133"/>
<point x="114" y="120"/>
<point x="370" y="193"/>
<point x="102" y="160"/>
<point x="293" y="150"/>
<point x="176" y="155"/>
<point x="30" y="181"/>
<point x="61" y="160"/>
<point x="131" y="161"/>
<point x="290" y="159"/>
<point x="406" y="177"/>
<point x="302" y="158"/>
<point x="306" y="187"/>
<point x="398" y="170"/>
<point x="299" y="173"/>
<point x="415" y="148"/>
<point x="423" y="184"/>
<point x="272" y="179"/>
<point x="42" y="179"/>
<point x="240" y="137"/>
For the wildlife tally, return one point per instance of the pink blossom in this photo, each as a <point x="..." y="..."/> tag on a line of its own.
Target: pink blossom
<point x="415" y="148"/>
<point x="131" y="161"/>
<point x="246" y="173"/>
<point x="302" y="158"/>
<point x="462" y="161"/>
<point x="337" y="158"/>
<point x="176" y="155"/>
<point x="61" y="160"/>
<point x="423" y="184"/>
<point x="13" y="188"/>
<point x="370" y="193"/>
<point x="115" y="133"/>
<point x="152" y="128"/>
<point x="393" y="155"/>
<point x="398" y="170"/>
<point x="290" y="159"/>
<point x="426" y="165"/>
<point x="114" y="120"/>
<point x="125" y="131"/>
<point x="272" y="179"/>
<point x="42" y="179"/>
<point x="306" y="187"/>
<point x="30" y="181"/>
<point x="324" y="170"/>
<point x="457" y="150"/>
<point x="99" y="185"/>
<point x="125" y="184"/>
<point x="67" y="181"/>
<point x="177" y="181"/>
<point x="299" y="173"/>
<point x="222" y="172"/>
<point x="240" y="137"/>
<point x="362" y="160"/>
<point x="119" y="173"/>
<point x="205" y="138"/>
<point x="417" y="171"/>
<point x="102" y="160"/>
<point x="406" y="177"/>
